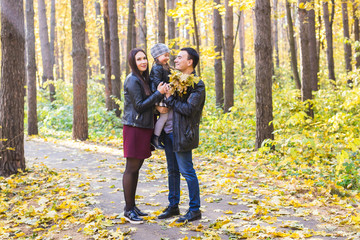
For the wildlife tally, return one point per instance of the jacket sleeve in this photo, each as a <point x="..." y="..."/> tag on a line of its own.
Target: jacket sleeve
<point x="156" y="76"/>
<point x="136" y="96"/>
<point x="193" y="103"/>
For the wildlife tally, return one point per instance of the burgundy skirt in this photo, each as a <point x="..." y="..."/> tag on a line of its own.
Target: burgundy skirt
<point x="136" y="142"/>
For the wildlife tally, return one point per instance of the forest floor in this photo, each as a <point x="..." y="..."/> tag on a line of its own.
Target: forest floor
<point x="237" y="201"/>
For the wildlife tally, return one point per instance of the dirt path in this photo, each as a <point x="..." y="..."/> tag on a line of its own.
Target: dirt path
<point x="101" y="167"/>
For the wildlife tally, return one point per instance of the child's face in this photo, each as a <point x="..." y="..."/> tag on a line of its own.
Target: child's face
<point x="163" y="59"/>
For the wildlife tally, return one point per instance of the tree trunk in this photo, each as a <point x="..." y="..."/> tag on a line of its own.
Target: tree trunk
<point x="100" y="39"/>
<point x="237" y="27"/>
<point x="314" y="61"/>
<point x="186" y="31"/>
<point x="123" y="45"/>
<point x="229" y="58"/>
<point x="133" y="42"/>
<point x="45" y="48"/>
<point x="347" y="45"/>
<point x="12" y="87"/>
<point x="292" y="46"/>
<point x="115" y="54"/>
<point x="161" y="23"/>
<point x="319" y="41"/>
<point x="306" y="69"/>
<point x="142" y="32"/>
<point x="263" y="82"/>
<point x="62" y="46"/>
<point x="52" y="33"/>
<point x="80" y="119"/>
<point x="197" y="42"/>
<point x="356" y="33"/>
<point x="31" y="69"/>
<point x="56" y="73"/>
<point x="276" y="34"/>
<point x="88" y="54"/>
<point x="242" y="41"/>
<point x="171" y="31"/>
<point x="108" y="87"/>
<point x="218" y="36"/>
<point x="130" y="28"/>
<point x="329" y="39"/>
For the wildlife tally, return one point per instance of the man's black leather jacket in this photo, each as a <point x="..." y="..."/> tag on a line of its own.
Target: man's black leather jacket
<point x="187" y="112"/>
<point x="138" y="108"/>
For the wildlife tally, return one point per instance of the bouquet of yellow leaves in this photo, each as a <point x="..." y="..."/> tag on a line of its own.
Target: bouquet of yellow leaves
<point x="179" y="82"/>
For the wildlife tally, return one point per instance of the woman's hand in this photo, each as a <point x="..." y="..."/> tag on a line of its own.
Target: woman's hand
<point x="161" y="87"/>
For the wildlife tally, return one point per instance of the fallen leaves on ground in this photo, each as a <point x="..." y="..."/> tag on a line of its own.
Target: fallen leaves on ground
<point x="251" y="199"/>
<point x="265" y="201"/>
<point x="41" y="203"/>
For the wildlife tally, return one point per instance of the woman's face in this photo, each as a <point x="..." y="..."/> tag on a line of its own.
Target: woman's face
<point x="141" y="61"/>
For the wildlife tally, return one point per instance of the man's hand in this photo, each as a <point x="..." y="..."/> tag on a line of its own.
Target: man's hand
<point x="167" y="93"/>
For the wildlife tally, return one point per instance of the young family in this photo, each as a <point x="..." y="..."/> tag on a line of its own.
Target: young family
<point x="178" y="122"/>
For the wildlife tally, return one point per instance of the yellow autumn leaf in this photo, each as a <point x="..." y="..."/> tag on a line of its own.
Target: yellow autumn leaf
<point x="228" y="212"/>
<point x="175" y="224"/>
<point x="21" y="234"/>
<point x="38" y="229"/>
<point x="355" y="219"/>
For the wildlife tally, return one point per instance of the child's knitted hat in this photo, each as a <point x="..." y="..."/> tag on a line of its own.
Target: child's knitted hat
<point x="159" y="49"/>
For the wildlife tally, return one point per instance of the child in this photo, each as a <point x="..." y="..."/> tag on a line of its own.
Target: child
<point x="159" y="73"/>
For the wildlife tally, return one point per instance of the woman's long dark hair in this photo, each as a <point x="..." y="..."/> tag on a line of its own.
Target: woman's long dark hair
<point x="144" y="77"/>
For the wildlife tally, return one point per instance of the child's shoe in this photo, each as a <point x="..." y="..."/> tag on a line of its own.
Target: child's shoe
<point x="155" y="142"/>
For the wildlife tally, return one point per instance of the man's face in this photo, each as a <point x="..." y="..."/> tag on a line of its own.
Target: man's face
<point x="182" y="61"/>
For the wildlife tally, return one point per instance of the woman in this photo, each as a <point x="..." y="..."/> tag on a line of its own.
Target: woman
<point x="138" y="125"/>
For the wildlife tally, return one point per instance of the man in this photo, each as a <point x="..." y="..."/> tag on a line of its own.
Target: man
<point x="182" y="135"/>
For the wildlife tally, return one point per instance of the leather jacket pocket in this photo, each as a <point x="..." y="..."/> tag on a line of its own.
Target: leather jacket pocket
<point x="189" y="133"/>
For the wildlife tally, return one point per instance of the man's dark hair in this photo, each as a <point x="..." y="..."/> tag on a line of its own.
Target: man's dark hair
<point x="193" y="54"/>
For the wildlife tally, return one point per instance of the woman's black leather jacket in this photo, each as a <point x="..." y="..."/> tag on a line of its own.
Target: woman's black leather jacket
<point x="138" y="107"/>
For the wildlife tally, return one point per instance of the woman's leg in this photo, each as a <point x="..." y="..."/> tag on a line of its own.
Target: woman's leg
<point x="130" y="180"/>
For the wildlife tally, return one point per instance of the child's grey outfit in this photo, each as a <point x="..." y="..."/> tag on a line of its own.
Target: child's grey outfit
<point x="157" y="75"/>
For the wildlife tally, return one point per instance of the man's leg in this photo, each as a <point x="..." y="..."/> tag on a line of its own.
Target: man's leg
<point x="186" y="167"/>
<point x="173" y="172"/>
<point x="173" y="180"/>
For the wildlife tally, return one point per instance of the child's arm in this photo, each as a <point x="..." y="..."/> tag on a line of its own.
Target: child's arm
<point x="156" y="76"/>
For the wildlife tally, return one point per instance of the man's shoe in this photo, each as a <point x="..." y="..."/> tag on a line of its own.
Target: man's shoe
<point x="132" y="217"/>
<point x="190" y="216"/>
<point x="169" y="212"/>
<point x="155" y="142"/>
<point x="139" y="212"/>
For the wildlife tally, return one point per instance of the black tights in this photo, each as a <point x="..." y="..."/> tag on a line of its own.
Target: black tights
<point x="130" y="180"/>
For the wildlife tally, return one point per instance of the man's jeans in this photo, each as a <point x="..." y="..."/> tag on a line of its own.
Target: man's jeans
<point x="181" y="162"/>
